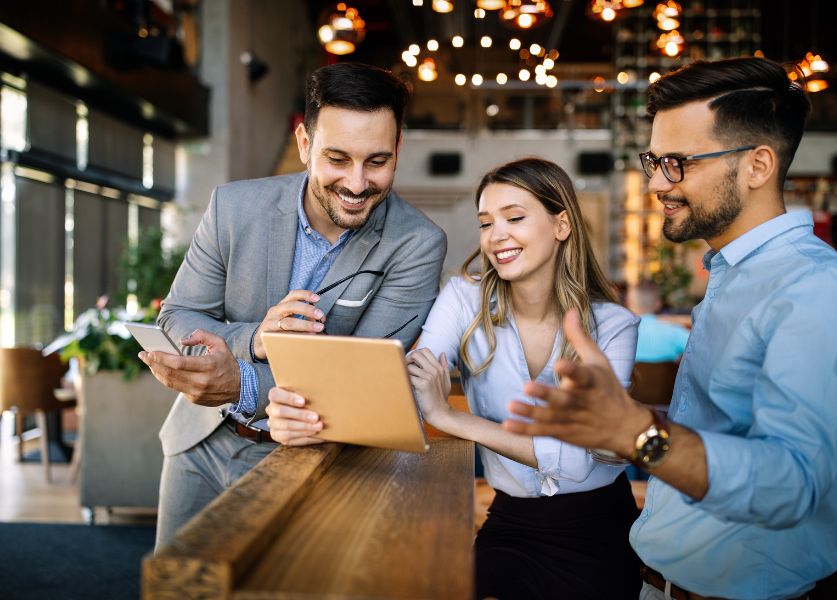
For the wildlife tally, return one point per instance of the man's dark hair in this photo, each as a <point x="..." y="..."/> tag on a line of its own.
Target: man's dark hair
<point x="355" y="86"/>
<point x="754" y="103"/>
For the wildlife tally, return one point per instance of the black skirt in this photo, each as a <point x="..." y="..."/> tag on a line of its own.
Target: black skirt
<point x="572" y="546"/>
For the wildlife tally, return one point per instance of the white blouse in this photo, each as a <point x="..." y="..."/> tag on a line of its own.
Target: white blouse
<point x="562" y="468"/>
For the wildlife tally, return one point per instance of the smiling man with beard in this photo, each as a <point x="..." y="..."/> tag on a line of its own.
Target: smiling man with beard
<point x="331" y="249"/>
<point x="743" y="498"/>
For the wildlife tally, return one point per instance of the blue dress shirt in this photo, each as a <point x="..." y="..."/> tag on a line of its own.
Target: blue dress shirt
<point x="758" y="383"/>
<point x="659" y="341"/>
<point x="562" y="468"/>
<point x="313" y="257"/>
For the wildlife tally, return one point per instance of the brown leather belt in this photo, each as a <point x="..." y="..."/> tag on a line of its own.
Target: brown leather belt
<point x="250" y="433"/>
<point x="654" y="578"/>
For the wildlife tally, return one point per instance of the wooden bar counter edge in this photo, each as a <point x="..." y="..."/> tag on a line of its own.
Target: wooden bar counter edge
<point x="330" y="521"/>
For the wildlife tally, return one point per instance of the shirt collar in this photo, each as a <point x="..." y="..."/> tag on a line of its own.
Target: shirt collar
<point x="744" y="245"/>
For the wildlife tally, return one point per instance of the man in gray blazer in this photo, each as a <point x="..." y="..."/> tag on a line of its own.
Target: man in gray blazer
<point x="331" y="250"/>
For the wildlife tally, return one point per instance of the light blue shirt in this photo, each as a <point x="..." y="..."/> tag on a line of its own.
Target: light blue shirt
<point x="758" y="383"/>
<point x="659" y="341"/>
<point x="313" y="257"/>
<point x="562" y="468"/>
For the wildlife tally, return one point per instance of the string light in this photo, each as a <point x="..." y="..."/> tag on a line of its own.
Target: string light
<point x="457" y="41"/>
<point x="432" y="45"/>
<point x="476" y="79"/>
<point x="427" y="70"/>
<point x="485" y="41"/>
<point x="502" y="78"/>
<point x="460" y="79"/>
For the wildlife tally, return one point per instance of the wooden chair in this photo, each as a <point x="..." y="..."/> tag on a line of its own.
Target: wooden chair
<point x="27" y="383"/>
<point x="653" y="383"/>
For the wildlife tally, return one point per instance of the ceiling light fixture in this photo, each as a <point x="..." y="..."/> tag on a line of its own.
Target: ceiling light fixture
<point x="443" y="6"/>
<point x="813" y="68"/>
<point x="491" y="4"/>
<point x="341" y="29"/>
<point x="525" y="14"/>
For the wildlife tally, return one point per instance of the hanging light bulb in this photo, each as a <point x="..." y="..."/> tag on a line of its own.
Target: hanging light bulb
<point x="432" y="45"/>
<point x="485" y="42"/>
<point x="524" y="75"/>
<point x="427" y="70"/>
<point x="341" y="29"/>
<point x="443" y="6"/>
<point x="525" y="14"/>
<point x="476" y="79"/>
<point x="502" y="78"/>
<point x="457" y="41"/>
<point x="514" y="44"/>
<point x="460" y="79"/>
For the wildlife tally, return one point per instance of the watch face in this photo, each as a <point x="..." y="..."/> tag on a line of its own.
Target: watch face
<point x="654" y="449"/>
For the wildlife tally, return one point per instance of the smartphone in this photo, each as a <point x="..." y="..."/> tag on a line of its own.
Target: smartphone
<point x="152" y="338"/>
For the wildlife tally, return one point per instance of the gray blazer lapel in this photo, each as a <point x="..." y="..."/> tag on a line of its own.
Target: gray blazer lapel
<point x="280" y="251"/>
<point x="351" y="258"/>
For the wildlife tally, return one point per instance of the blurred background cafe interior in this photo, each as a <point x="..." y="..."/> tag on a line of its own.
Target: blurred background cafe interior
<point x="119" y="117"/>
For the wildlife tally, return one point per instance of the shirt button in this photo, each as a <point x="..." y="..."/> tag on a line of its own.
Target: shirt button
<point x="308" y="230"/>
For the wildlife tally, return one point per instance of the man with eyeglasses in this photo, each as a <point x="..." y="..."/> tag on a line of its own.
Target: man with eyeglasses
<point x="331" y="250"/>
<point x="742" y="502"/>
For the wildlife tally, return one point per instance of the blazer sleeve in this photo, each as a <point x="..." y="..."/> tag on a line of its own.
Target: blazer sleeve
<point x="197" y="295"/>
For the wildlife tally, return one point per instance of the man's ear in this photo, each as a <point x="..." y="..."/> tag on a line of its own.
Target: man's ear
<point x="561" y="225"/>
<point x="762" y="167"/>
<point x="303" y="143"/>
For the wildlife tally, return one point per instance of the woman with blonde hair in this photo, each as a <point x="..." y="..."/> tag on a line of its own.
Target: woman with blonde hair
<point x="558" y="526"/>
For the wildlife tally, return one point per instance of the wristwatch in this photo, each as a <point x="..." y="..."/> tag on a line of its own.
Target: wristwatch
<point x="652" y="445"/>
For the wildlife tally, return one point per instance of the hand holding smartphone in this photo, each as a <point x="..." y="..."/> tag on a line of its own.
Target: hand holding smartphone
<point x="152" y="338"/>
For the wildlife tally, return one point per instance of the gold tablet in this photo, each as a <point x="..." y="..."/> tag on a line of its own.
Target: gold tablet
<point x="358" y="386"/>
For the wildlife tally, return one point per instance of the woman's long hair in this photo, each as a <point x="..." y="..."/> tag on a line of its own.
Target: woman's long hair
<point x="579" y="279"/>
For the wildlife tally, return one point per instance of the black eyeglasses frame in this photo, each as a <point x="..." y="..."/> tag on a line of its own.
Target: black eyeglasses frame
<point x="650" y="162"/>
